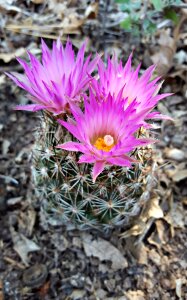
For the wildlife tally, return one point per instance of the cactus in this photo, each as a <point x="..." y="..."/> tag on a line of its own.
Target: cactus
<point x="117" y="196"/>
<point x="92" y="163"/>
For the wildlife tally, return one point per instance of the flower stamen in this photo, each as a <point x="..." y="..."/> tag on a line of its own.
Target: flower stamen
<point x="106" y="143"/>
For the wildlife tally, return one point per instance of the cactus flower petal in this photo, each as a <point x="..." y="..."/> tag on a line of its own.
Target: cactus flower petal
<point x="97" y="169"/>
<point x="58" y="80"/>
<point x="30" y="107"/>
<point x="124" y="81"/>
<point x="105" y="132"/>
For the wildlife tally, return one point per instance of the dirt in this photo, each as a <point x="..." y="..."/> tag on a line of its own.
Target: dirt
<point x="49" y="261"/>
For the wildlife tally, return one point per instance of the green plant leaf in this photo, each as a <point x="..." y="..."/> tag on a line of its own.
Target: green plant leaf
<point x="148" y="26"/>
<point x="158" y="4"/>
<point x="127" y="23"/>
<point x="171" y="15"/>
<point x="122" y="1"/>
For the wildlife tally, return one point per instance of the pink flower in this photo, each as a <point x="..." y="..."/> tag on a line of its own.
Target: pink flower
<point x="105" y="132"/>
<point x="115" y="79"/>
<point x="58" y="80"/>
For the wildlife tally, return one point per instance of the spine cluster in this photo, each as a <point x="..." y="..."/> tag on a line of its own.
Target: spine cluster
<point x="67" y="190"/>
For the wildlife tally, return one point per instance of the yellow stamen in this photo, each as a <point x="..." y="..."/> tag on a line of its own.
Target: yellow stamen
<point x="105" y="144"/>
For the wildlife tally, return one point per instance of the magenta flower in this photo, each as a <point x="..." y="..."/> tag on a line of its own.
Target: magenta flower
<point x="58" y="80"/>
<point x="105" y="133"/>
<point x="115" y="79"/>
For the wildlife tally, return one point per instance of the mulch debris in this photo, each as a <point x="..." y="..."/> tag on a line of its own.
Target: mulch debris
<point x="39" y="260"/>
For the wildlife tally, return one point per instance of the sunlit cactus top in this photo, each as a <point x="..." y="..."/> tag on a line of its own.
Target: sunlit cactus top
<point x="105" y="132"/>
<point x="116" y="78"/>
<point x="58" y="80"/>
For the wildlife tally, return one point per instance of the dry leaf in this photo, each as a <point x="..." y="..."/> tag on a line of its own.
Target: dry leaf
<point x="157" y="236"/>
<point x="164" y="57"/>
<point x="177" y="215"/>
<point x="136" y="230"/>
<point x="37" y="1"/>
<point x="179" y="288"/>
<point x="155" y="211"/>
<point x="155" y="257"/>
<point x="179" y="175"/>
<point x="23" y="246"/>
<point x="142" y="254"/>
<point x="27" y="221"/>
<point x="7" y="57"/>
<point x="177" y="172"/>
<point x="104" y="251"/>
<point x="1" y="290"/>
<point x="92" y="10"/>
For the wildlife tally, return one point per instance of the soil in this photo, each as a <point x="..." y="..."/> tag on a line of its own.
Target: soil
<point x="39" y="260"/>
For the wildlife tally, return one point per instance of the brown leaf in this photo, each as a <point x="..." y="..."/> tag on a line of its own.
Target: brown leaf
<point x="155" y="257"/>
<point x="136" y="230"/>
<point x="179" y="175"/>
<point x="104" y="250"/>
<point x="155" y="210"/>
<point x="7" y="57"/>
<point x="23" y="246"/>
<point x="179" y="288"/>
<point x="43" y="291"/>
<point x="164" y="57"/>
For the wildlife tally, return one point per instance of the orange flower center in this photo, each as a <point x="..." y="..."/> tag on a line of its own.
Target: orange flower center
<point x="106" y="143"/>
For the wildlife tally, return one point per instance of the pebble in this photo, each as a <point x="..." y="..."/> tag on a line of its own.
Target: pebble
<point x="77" y="281"/>
<point x="166" y="284"/>
<point x="101" y="294"/>
<point x="177" y="140"/>
<point x="3" y="204"/>
<point x="175" y="154"/>
<point x="77" y="294"/>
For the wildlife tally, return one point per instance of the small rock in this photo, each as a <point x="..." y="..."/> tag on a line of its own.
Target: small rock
<point x="77" y="242"/>
<point x="103" y="268"/>
<point x="5" y="146"/>
<point x="175" y="154"/>
<point x="77" y="294"/>
<point x="1" y="127"/>
<point x="101" y="294"/>
<point x="59" y="241"/>
<point x="149" y="284"/>
<point x="127" y="283"/>
<point x="78" y="281"/>
<point x="13" y="201"/>
<point x="166" y="283"/>
<point x="135" y="295"/>
<point x="110" y="285"/>
<point x="177" y="140"/>
<point x="3" y="204"/>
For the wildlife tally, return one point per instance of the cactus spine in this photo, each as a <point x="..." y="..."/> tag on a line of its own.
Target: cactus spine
<point x="67" y="189"/>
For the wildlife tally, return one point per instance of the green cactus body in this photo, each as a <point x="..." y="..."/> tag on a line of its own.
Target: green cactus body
<point x="67" y="190"/>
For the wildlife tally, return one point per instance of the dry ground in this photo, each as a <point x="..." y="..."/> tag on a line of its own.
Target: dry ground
<point x="47" y="261"/>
